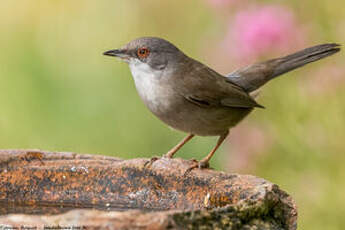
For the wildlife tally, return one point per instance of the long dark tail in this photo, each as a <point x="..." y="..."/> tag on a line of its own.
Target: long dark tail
<point x="254" y="76"/>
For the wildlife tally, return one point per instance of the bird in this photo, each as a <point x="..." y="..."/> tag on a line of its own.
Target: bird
<point x="191" y="97"/>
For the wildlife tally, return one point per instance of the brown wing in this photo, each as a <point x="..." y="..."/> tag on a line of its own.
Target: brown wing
<point x="205" y="87"/>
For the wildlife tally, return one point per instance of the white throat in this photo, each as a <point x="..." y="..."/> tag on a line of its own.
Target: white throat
<point x="147" y="82"/>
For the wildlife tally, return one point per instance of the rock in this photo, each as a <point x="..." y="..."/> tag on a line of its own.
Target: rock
<point x="39" y="188"/>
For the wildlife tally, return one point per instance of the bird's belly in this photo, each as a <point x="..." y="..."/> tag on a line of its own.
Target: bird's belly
<point x="201" y="121"/>
<point x="180" y="114"/>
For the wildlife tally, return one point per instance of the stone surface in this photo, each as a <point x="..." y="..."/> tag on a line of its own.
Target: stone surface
<point x="39" y="188"/>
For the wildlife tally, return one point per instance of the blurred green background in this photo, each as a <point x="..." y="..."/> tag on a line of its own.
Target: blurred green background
<point x="57" y="91"/>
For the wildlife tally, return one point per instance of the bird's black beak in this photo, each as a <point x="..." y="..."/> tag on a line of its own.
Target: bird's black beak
<point x="120" y="53"/>
<point x="114" y="53"/>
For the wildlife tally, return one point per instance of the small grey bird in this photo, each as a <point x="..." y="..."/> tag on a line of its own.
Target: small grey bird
<point x="193" y="98"/>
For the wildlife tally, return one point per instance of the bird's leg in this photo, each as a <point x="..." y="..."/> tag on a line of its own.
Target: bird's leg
<point x="172" y="151"/>
<point x="204" y="162"/>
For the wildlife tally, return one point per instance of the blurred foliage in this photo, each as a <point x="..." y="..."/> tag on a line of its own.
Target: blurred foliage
<point x="57" y="91"/>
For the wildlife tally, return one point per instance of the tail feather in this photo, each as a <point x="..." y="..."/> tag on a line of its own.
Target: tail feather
<point x="254" y="76"/>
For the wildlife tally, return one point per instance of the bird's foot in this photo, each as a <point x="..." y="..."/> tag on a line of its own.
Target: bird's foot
<point x="153" y="159"/>
<point x="197" y="164"/>
<point x="150" y="162"/>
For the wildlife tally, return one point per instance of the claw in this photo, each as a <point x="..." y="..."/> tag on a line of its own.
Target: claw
<point x="190" y="169"/>
<point x="204" y="162"/>
<point x="150" y="162"/>
<point x="201" y="165"/>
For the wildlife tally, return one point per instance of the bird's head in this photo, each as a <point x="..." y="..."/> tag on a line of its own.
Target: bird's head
<point x="154" y="52"/>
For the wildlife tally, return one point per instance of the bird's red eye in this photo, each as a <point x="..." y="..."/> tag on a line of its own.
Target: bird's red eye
<point x="143" y="52"/>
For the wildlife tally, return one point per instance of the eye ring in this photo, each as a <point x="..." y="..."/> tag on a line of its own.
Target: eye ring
<point x="143" y="52"/>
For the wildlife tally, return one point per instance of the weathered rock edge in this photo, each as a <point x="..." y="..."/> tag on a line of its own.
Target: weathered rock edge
<point x="104" y="192"/>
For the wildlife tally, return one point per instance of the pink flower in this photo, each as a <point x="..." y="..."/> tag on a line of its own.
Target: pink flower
<point x="257" y="31"/>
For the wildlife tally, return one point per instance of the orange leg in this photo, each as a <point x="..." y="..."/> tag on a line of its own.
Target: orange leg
<point x="204" y="162"/>
<point x="172" y="151"/>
